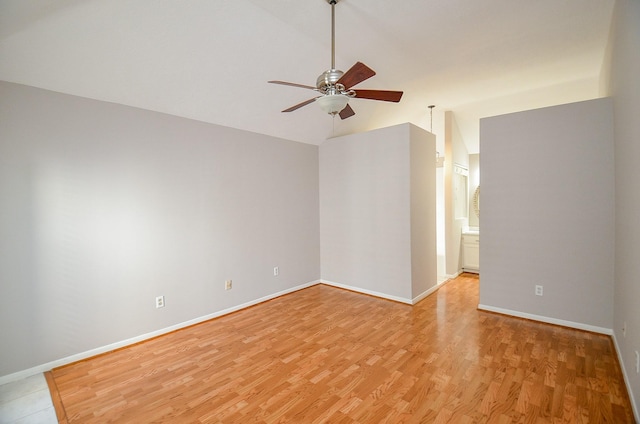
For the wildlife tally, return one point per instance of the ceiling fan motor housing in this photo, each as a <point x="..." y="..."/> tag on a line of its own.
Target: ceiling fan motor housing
<point x="327" y="80"/>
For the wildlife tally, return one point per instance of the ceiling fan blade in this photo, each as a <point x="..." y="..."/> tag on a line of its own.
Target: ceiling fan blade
<point x="384" y="95"/>
<point x="355" y="75"/>
<point x="299" y="105"/>
<point x="292" y="84"/>
<point x="347" y="112"/>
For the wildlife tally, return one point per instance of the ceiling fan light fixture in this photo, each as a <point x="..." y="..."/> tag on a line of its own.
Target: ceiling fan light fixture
<point x="332" y="103"/>
<point x="336" y="87"/>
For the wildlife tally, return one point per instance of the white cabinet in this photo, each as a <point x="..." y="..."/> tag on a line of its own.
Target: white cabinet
<point x="471" y="253"/>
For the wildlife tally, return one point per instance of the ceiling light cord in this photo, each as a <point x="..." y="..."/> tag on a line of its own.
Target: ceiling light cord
<point x="431" y="113"/>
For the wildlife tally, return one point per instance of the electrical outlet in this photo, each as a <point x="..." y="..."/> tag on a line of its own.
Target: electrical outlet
<point x="624" y="329"/>
<point x="637" y="362"/>
<point x="538" y="290"/>
<point x="160" y="302"/>
<point x="228" y="284"/>
<point x="276" y="271"/>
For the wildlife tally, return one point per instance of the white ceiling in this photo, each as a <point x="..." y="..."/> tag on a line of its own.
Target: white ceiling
<point x="210" y="60"/>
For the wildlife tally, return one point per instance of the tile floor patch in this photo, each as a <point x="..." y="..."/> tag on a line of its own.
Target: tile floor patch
<point x="26" y="401"/>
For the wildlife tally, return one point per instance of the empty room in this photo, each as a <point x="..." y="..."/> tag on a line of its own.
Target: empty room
<point x="252" y="211"/>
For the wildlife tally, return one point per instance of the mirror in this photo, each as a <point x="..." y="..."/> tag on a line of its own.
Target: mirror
<point x="476" y="202"/>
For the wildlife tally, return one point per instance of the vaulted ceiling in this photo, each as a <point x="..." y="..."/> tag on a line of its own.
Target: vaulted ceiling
<point x="210" y="60"/>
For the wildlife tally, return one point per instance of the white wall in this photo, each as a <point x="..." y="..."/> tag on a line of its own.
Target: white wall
<point x="367" y="213"/>
<point x="474" y="182"/>
<point x="548" y="213"/>
<point x="104" y="207"/>
<point x="441" y="238"/>
<point x="455" y="153"/>
<point x="435" y="124"/>
<point x="625" y="89"/>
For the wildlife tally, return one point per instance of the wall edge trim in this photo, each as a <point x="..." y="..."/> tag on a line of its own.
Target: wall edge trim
<point x="547" y="320"/>
<point x="625" y="377"/>
<point x="368" y="292"/>
<point x="426" y="293"/>
<point x="430" y="291"/>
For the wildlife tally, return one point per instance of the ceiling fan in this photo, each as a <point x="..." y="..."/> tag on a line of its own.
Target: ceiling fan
<point x="336" y="87"/>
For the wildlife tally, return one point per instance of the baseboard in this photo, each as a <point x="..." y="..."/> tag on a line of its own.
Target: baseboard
<point x="430" y="290"/>
<point x="425" y="294"/>
<point x="555" y="321"/>
<point x="632" y="399"/>
<point x="453" y="276"/>
<point x="368" y="292"/>
<point x="104" y="349"/>
<point x="384" y="295"/>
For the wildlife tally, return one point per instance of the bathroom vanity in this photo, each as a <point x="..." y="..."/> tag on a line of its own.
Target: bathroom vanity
<point x="471" y="251"/>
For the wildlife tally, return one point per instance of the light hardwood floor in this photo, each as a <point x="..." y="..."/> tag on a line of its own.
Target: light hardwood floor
<point x="326" y="355"/>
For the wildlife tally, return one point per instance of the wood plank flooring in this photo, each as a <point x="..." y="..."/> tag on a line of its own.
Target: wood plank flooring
<point x="326" y="355"/>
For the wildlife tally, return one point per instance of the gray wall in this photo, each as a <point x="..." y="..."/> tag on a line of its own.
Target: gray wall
<point x="424" y="272"/>
<point x="366" y="215"/>
<point x="625" y="89"/>
<point x="104" y="207"/>
<point x="548" y="213"/>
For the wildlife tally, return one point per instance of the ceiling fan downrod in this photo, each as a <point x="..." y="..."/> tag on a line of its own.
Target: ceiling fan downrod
<point x="327" y="81"/>
<point x="333" y="32"/>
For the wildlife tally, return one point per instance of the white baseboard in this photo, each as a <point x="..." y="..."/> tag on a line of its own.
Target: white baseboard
<point x="426" y="293"/>
<point x="369" y="292"/>
<point x="636" y="414"/>
<point x="446" y="277"/>
<point x="431" y="290"/>
<point x="103" y="349"/>
<point x="570" y="324"/>
<point x="387" y="296"/>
